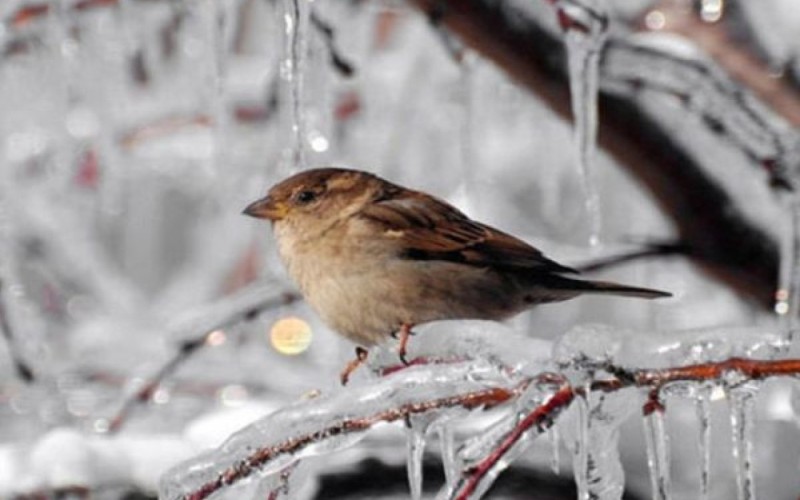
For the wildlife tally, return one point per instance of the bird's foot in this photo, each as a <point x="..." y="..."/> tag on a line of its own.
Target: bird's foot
<point x="404" y="334"/>
<point x="361" y="357"/>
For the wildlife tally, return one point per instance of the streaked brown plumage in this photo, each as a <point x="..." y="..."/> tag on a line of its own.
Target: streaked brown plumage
<point x="371" y="256"/>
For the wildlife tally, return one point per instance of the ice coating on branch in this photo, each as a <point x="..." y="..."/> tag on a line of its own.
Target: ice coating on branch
<point x="585" y="27"/>
<point x="597" y="345"/>
<point x="468" y="339"/>
<point x="669" y="349"/>
<point x="742" y="402"/>
<point x="335" y="421"/>
<point x="590" y="346"/>
<point x="658" y="459"/>
<point x="668" y="64"/>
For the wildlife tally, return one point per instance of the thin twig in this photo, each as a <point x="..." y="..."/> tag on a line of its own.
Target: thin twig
<point x="185" y="351"/>
<point x="340" y="63"/>
<point x="21" y="367"/>
<point x="649" y="250"/>
<point x="542" y="416"/>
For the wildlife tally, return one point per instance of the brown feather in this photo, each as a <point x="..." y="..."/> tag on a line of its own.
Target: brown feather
<point x="431" y="229"/>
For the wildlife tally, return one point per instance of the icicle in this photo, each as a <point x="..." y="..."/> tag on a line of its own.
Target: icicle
<point x="297" y="14"/>
<point x="448" y="451"/>
<point x="555" y="458"/>
<point x="415" y="449"/>
<point x="219" y="50"/>
<point x="585" y="24"/>
<point x="467" y="129"/>
<point x="703" y="408"/>
<point x="657" y="454"/>
<point x="475" y="454"/>
<point x="592" y="427"/>
<point x="580" y="455"/>
<point x="742" y="402"/>
<point x="787" y="297"/>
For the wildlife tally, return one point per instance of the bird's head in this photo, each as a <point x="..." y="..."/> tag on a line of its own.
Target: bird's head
<point x="316" y="198"/>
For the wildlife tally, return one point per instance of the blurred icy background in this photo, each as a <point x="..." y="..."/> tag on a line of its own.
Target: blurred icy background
<point x="132" y="134"/>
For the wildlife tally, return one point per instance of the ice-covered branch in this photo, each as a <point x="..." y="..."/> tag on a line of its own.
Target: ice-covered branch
<point x="517" y="36"/>
<point x="594" y="389"/>
<point x="501" y="448"/>
<point x="336" y="421"/>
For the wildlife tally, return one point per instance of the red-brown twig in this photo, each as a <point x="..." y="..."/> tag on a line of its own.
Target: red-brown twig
<point x="541" y="416"/>
<point x="246" y="467"/>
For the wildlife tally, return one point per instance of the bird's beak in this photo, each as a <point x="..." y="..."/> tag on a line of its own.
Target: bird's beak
<point x="266" y="208"/>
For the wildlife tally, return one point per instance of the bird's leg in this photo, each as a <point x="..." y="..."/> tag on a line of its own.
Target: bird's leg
<point x="404" y="333"/>
<point x="361" y="357"/>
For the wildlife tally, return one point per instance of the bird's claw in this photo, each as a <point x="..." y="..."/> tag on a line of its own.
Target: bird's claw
<point x="352" y="365"/>
<point x="404" y="333"/>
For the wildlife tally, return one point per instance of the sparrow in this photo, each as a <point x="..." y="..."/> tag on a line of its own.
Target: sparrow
<point x="373" y="258"/>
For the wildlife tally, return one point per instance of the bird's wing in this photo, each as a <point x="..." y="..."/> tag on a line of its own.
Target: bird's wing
<point x="431" y="229"/>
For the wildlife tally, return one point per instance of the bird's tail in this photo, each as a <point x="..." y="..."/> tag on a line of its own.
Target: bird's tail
<point x="624" y="290"/>
<point x="605" y="287"/>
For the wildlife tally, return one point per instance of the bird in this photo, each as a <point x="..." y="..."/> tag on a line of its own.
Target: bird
<point x="374" y="259"/>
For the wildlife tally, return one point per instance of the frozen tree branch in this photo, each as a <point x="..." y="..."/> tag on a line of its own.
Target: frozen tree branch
<point x="329" y="423"/>
<point x="516" y="37"/>
<point x="532" y="404"/>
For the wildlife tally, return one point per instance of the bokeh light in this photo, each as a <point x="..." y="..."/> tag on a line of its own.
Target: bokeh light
<point x="290" y="336"/>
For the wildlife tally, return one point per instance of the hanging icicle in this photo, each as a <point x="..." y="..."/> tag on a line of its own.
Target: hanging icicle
<point x="585" y="26"/>
<point x="415" y="449"/>
<point x="297" y="14"/>
<point x="580" y="455"/>
<point x="218" y="34"/>
<point x="703" y="408"/>
<point x="555" y="457"/>
<point x="742" y="404"/>
<point x="657" y="453"/>
<point x="787" y="297"/>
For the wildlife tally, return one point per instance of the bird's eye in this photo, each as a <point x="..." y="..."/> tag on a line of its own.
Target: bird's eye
<point x="306" y="196"/>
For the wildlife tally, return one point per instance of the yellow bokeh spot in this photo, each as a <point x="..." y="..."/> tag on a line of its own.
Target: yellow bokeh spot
<point x="290" y="335"/>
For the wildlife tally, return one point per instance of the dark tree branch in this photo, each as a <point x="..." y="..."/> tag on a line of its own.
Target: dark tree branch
<point x="709" y="223"/>
<point x="649" y="250"/>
